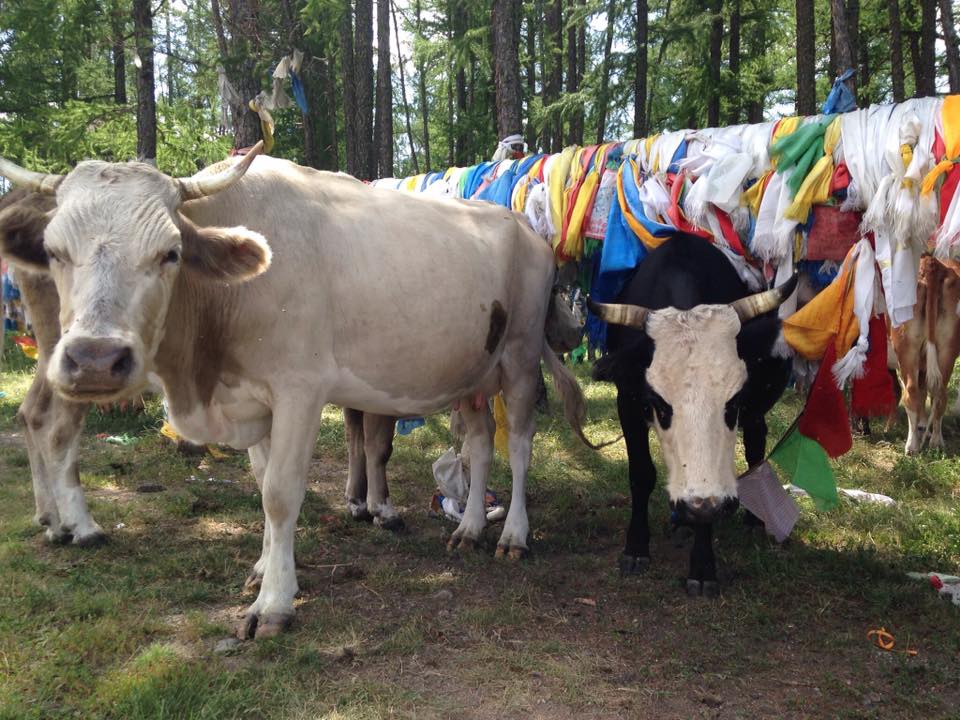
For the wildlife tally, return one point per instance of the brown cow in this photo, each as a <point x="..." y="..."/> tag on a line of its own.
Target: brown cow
<point x="926" y="348"/>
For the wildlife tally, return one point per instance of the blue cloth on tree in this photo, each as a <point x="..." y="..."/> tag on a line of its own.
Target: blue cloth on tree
<point x="840" y="99"/>
<point x="499" y="190"/>
<point x="298" y="92"/>
<point x="405" y="426"/>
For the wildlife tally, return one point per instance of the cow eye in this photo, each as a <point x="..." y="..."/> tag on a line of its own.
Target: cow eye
<point x="171" y="257"/>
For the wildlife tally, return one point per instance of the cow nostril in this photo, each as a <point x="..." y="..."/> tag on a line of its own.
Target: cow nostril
<point x="123" y="364"/>
<point x="69" y="363"/>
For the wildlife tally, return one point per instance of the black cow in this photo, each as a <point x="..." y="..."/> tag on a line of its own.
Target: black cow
<point x="692" y="353"/>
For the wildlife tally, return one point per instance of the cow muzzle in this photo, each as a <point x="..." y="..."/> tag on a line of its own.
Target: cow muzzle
<point x="92" y="367"/>
<point x="697" y="510"/>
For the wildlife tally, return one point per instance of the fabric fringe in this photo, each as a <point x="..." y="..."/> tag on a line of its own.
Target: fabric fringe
<point x="852" y="365"/>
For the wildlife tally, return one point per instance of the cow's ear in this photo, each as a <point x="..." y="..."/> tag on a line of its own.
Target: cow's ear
<point x="761" y="338"/>
<point x="21" y="236"/>
<point x="229" y="254"/>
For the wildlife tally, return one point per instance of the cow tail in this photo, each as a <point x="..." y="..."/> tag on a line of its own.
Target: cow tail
<point x="571" y="395"/>
<point x="934" y="379"/>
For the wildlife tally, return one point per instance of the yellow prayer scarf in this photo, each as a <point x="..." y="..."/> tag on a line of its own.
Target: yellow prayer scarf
<point x="951" y="142"/>
<point x="815" y="189"/>
<point x="829" y="317"/>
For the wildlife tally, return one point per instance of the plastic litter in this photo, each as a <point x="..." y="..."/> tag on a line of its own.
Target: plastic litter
<point x="450" y="499"/>
<point x="852" y="493"/>
<point x="947" y="585"/>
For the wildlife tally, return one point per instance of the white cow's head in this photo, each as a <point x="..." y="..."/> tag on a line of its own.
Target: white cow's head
<point x="115" y="245"/>
<point x="691" y="374"/>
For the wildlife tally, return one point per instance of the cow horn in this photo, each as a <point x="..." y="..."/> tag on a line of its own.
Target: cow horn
<point x="762" y="302"/>
<point x="45" y="183"/>
<point x="617" y="314"/>
<point x="200" y="185"/>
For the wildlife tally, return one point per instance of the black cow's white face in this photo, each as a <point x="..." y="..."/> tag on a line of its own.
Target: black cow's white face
<point x="694" y="373"/>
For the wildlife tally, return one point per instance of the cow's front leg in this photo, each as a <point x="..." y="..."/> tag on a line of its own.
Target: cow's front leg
<point x="377" y="448"/>
<point x="296" y="420"/>
<point x="54" y="434"/>
<point x="259" y="456"/>
<point x="643" y="477"/>
<point x="356" y="490"/>
<point x="479" y="446"/>
<point x="702" y="579"/>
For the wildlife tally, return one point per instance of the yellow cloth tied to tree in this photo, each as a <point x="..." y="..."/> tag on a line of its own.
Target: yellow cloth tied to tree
<point x="556" y="183"/>
<point x="815" y="189"/>
<point x="412" y="183"/>
<point x="650" y="240"/>
<point x="950" y="114"/>
<point x="648" y="145"/>
<point x="828" y="317"/>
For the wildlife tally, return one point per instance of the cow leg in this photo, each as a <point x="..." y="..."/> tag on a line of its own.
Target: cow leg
<point x="754" y="448"/>
<point x="296" y="420"/>
<point x="946" y="357"/>
<point x="520" y="389"/>
<point x="32" y="415"/>
<point x="479" y="447"/>
<point x="702" y="579"/>
<point x="378" y="447"/>
<point x="53" y="428"/>
<point x="643" y="477"/>
<point x="259" y="457"/>
<point x="356" y="491"/>
<point x="914" y="400"/>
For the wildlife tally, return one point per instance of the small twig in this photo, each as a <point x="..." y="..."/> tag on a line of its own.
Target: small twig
<point x="370" y="589"/>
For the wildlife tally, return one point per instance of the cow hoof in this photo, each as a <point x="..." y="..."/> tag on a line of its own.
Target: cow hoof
<point x="705" y="588"/>
<point x="463" y="544"/>
<point x="93" y="539"/>
<point x="633" y="564"/>
<point x="511" y="552"/>
<point x="358" y="511"/>
<point x="393" y="524"/>
<point x="57" y="536"/>
<point x="263" y="626"/>
<point x="253" y="581"/>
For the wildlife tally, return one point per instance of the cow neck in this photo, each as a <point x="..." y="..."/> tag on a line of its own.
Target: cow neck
<point x="193" y="353"/>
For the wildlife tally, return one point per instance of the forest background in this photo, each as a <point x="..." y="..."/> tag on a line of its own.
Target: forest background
<point x="395" y="87"/>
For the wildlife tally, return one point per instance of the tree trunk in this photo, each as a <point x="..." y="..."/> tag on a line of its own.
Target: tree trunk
<point x="349" y="91"/>
<point x="580" y="115"/>
<point x="806" y="59"/>
<point x="237" y="57"/>
<point x="913" y="40"/>
<point x="844" y="55"/>
<point x="733" y="116"/>
<point x="531" y="71"/>
<point x="146" y="101"/>
<point x="853" y="28"/>
<point x="117" y="32"/>
<point x="506" y="66"/>
<point x="927" y="71"/>
<point x="950" y="41"/>
<point x="363" y="74"/>
<point x="661" y="53"/>
<point x="716" y="50"/>
<point x="552" y="42"/>
<point x="640" y="72"/>
<point x="461" y="150"/>
<point x="169" y="61"/>
<point x="602" y="99"/>
<point x="403" y="87"/>
<point x="573" y="84"/>
<point x="896" y="51"/>
<point x="384" y="120"/>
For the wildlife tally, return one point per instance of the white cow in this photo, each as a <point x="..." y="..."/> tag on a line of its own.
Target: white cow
<point x="364" y="298"/>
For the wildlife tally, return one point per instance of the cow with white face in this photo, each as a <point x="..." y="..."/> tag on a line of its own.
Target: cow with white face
<point x="363" y="298"/>
<point x="692" y="353"/>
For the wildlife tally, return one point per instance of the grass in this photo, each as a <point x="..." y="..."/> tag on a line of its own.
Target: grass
<point x="391" y="626"/>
